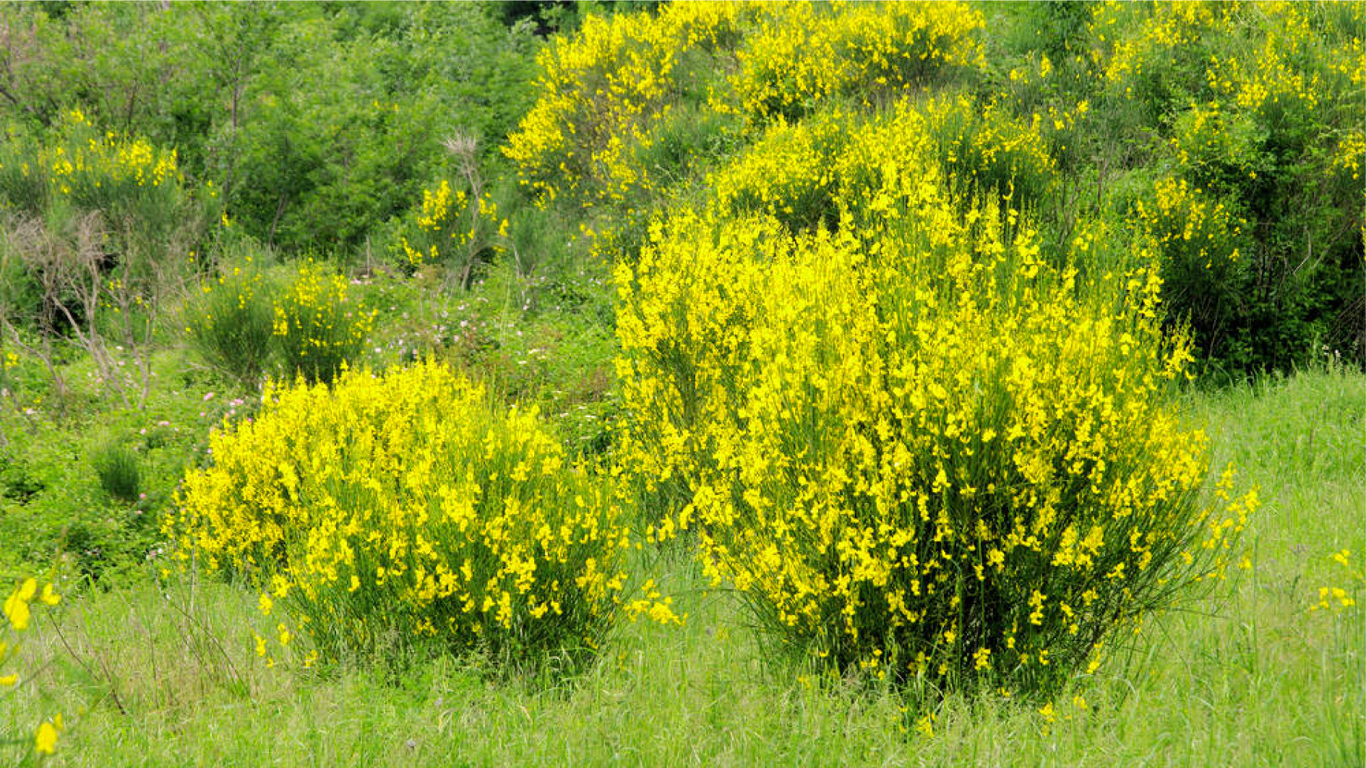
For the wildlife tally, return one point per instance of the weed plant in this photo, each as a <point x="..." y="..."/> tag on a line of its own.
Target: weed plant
<point x="117" y="467"/>
<point x="231" y="323"/>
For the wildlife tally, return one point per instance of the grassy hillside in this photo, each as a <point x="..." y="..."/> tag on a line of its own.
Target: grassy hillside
<point x="683" y="383"/>
<point x="1249" y="675"/>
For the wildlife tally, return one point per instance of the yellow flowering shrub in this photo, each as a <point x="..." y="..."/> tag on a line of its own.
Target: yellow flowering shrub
<point x="803" y="53"/>
<point x="788" y="172"/>
<point x="916" y="445"/>
<point x="126" y="178"/>
<point x="317" y="325"/>
<point x="805" y="173"/>
<point x="605" y="93"/>
<point x="390" y="508"/>
<point x="1195" y="241"/>
<point x="604" y="89"/>
<point x="1142" y="51"/>
<point x="1280" y="62"/>
<point x="454" y="227"/>
<point x="981" y="149"/>
<point x="1219" y="148"/>
<point x="18" y="613"/>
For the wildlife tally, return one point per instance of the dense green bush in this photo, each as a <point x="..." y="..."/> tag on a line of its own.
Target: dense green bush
<point x="231" y="321"/>
<point x="116" y="465"/>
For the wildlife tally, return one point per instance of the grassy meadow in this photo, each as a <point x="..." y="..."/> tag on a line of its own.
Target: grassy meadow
<point x="1246" y="675"/>
<point x="538" y="383"/>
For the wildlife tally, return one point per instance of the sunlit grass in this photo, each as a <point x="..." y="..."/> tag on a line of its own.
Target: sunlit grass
<point x="1247" y="676"/>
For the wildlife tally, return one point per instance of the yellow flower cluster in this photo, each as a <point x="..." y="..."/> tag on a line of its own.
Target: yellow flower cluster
<point x="317" y="325"/>
<point x="17" y="610"/>
<point x="1185" y="220"/>
<point x="407" y="505"/>
<point x="1161" y="36"/>
<point x="980" y="148"/>
<point x="244" y="287"/>
<point x="603" y="89"/>
<point x="1296" y="53"/>
<point x="18" y="613"/>
<point x="449" y="222"/>
<point x="108" y="160"/>
<point x="109" y="172"/>
<point x="915" y="440"/>
<point x="604" y="92"/>
<point x="1351" y="153"/>
<point x="788" y="172"/>
<point x="1337" y="599"/>
<point x="796" y="171"/>
<point x="802" y="53"/>
<point x="1193" y="240"/>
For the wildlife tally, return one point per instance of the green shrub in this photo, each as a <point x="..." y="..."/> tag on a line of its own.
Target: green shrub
<point x="231" y="322"/>
<point x="788" y="172"/>
<point x="137" y="188"/>
<point x="118" y="469"/>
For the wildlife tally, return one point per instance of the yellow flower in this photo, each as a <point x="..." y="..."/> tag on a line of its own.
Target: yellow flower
<point x="45" y="740"/>
<point x="16" y="606"/>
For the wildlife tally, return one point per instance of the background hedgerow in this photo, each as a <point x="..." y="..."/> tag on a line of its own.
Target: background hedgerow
<point x="391" y="510"/>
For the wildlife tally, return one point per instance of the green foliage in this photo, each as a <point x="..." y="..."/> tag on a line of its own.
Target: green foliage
<point x="116" y="465"/>
<point x="316" y="123"/>
<point x="54" y="510"/>
<point x="231" y="320"/>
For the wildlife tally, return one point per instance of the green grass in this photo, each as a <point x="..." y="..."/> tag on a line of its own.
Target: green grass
<point x="1244" y="676"/>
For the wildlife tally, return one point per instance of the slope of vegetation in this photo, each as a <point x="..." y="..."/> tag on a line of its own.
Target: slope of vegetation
<point x="683" y="382"/>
